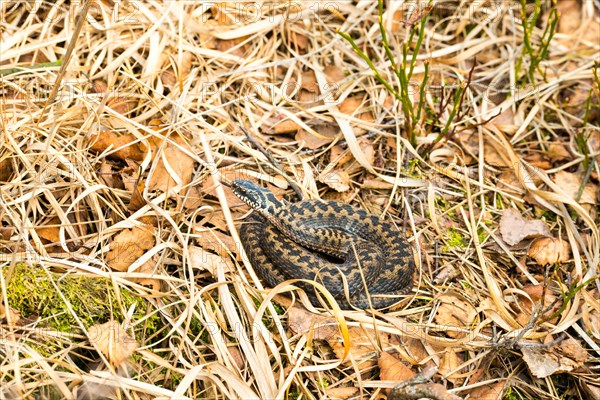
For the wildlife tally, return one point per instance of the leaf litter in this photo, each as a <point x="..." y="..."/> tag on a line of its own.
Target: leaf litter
<point x="120" y="180"/>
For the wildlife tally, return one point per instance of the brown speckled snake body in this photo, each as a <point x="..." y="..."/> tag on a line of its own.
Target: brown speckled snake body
<point x="329" y="242"/>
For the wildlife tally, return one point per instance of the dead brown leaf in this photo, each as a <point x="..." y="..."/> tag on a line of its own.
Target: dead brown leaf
<point x="173" y="167"/>
<point x="593" y="391"/>
<point x="334" y="75"/>
<point x="338" y="180"/>
<point x="113" y="341"/>
<point x="217" y="242"/>
<point x="363" y="345"/>
<point x="341" y="393"/>
<point x="309" y="82"/>
<point x="202" y="259"/>
<point x="591" y="317"/>
<point x="558" y="152"/>
<point x="392" y="369"/>
<point x="299" y="40"/>
<point x="492" y="391"/>
<point x="127" y="145"/>
<point x="302" y="321"/>
<point x="9" y="314"/>
<point x="368" y="149"/>
<point x="449" y="361"/>
<point x="526" y="305"/>
<point x="6" y="169"/>
<point x="285" y="126"/>
<point x="129" y="245"/>
<point x="50" y="231"/>
<point x="543" y="362"/>
<point x="570" y="184"/>
<point x="570" y="16"/>
<point x="235" y="47"/>
<point x="455" y="311"/>
<point x="414" y="351"/>
<point x="354" y="106"/>
<point x="505" y="121"/>
<point x="121" y="105"/>
<point x="148" y="268"/>
<point x="514" y="228"/>
<point x="327" y="133"/>
<point x="548" y="250"/>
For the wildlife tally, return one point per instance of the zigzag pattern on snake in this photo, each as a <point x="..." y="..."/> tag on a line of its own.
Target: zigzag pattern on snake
<point x="329" y="242"/>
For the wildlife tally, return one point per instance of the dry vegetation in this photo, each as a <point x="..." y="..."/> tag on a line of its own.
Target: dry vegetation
<point x="121" y="276"/>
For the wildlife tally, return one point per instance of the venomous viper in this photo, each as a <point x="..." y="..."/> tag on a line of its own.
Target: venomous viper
<point x="327" y="241"/>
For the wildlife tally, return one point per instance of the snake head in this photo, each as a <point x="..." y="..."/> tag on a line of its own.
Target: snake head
<point x="258" y="198"/>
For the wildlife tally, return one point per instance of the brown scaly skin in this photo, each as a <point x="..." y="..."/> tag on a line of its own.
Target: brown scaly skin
<point x="293" y="241"/>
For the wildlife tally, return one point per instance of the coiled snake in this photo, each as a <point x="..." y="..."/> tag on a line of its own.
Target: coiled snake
<point x="323" y="240"/>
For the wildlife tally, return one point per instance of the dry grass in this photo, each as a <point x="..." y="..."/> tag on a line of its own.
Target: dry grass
<point x="206" y="328"/>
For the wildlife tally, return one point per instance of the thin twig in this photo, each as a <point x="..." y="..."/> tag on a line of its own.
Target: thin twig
<point x="273" y="162"/>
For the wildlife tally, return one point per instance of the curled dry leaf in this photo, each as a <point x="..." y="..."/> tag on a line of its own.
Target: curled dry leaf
<point x="113" y="341"/>
<point x="449" y="362"/>
<point x="327" y="133"/>
<point x="548" y="250"/>
<point x="9" y="314"/>
<point x="455" y="311"/>
<point x="558" y="152"/>
<point x="363" y="342"/>
<point x="514" y="228"/>
<point x="128" y="245"/>
<point x="301" y="321"/>
<point x="147" y="268"/>
<point x="392" y="369"/>
<point x="364" y="346"/>
<point x="571" y="183"/>
<point x="173" y="167"/>
<point x="543" y="362"/>
<point x="126" y="144"/>
<point x="50" y="231"/>
<point x="341" y="393"/>
<point x="338" y="180"/>
<point x="526" y="305"/>
<point x="492" y="391"/>
<point x="591" y="316"/>
<point x="205" y="260"/>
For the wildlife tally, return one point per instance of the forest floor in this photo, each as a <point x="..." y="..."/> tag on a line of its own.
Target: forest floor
<point x="472" y="126"/>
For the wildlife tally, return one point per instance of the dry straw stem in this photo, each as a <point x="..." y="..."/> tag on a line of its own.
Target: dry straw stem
<point x="211" y="329"/>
